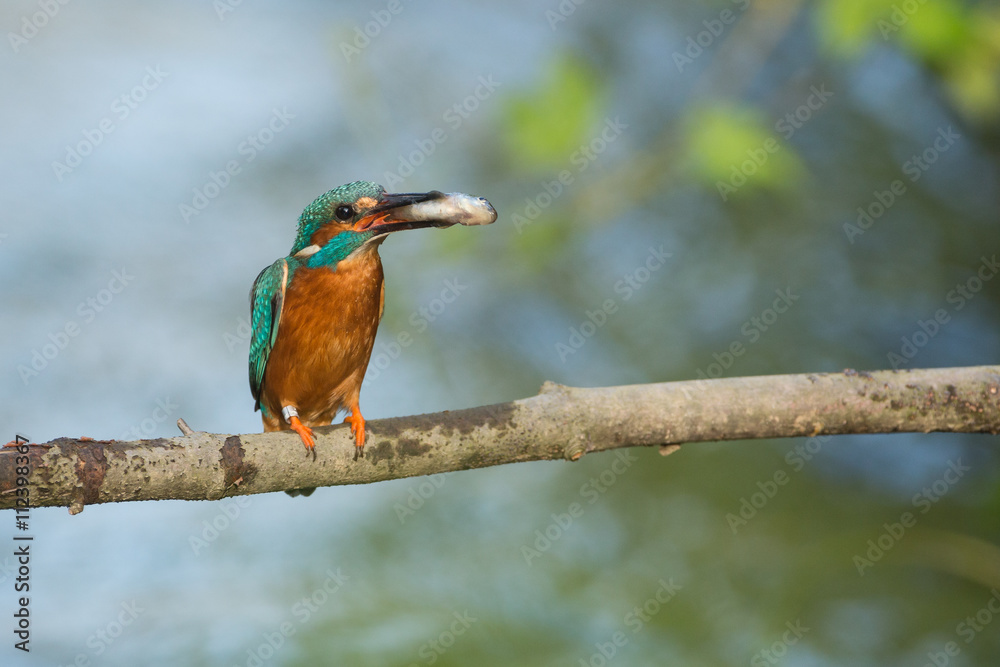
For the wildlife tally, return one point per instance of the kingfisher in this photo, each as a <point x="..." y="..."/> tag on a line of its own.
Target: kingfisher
<point x="314" y="313"/>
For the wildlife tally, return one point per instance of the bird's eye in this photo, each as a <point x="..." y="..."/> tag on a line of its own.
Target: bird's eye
<point x="344" y="212"/>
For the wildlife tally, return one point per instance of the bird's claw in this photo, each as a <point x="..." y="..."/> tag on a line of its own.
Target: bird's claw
<point x="306" y="434"/>
<point x="357" y="423"/>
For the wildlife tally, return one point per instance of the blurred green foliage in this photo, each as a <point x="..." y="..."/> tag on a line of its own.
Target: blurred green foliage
<point x="546" y="123"/>
<point x="734" y="145"/>
<point x="962" y="39"/>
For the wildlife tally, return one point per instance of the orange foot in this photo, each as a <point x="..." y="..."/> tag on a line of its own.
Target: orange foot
<point x="357" y="423"/>
<point x="306" y="434"/>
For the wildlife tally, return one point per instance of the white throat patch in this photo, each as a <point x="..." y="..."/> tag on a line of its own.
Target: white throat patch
<point x="308" y="251"/>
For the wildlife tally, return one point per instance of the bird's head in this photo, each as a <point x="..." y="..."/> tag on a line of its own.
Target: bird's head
<point x="354" y="214"/>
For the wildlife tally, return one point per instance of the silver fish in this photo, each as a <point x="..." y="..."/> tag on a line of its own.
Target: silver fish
<point x="452" y="207"/>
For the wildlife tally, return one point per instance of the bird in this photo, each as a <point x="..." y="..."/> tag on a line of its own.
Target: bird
<point x="315" y="312"/>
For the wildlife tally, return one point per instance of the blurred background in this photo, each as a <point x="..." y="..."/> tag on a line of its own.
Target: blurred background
<point x="816" y="182"/>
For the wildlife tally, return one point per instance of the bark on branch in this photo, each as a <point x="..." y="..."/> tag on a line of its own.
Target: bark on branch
<point x="559" y="423"/>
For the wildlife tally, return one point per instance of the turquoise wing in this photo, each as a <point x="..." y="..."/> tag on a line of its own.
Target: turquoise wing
<point x="266" y="299"/>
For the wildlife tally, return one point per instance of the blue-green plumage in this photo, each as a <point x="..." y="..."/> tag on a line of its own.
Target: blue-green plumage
<point x="324" y="208"/>
<point x="266" y="300"/>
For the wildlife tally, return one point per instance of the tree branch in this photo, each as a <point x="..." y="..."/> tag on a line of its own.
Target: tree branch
<point x="559" y="423"/>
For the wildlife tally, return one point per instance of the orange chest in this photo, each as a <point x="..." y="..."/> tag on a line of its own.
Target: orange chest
<point x="328" y="324"/>
<point x="324" y="303"/>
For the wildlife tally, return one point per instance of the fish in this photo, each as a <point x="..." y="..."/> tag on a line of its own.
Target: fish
<point x="452" y="206"/>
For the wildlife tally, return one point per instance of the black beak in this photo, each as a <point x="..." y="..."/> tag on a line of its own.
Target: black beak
<point x="379" y="218"/>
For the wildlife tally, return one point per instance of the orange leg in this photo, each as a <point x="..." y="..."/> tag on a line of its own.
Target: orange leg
<point x="357" y="423"/>
<point x="305" y="433"/>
